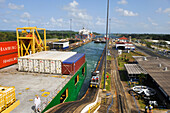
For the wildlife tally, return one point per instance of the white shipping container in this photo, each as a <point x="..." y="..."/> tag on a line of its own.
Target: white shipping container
<point x="41" y="62"/>
<point x="31" y="66"/>
<point x="25" y="64"/>
<point x="36" y="66"/>
<point x="58" y="67"/>
<point x="53" y="66"/>
<point x="20" y="67"/>
<point x="47" y="66"/>
<point x="45" y="61"/>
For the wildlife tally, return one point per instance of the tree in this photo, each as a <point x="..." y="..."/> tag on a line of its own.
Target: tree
<point x="141" y="77"/>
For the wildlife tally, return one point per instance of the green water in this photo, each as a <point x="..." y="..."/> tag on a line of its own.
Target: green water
<point x="93" y="51"/>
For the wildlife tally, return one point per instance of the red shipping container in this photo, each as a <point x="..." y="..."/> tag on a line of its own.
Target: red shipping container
<point x="9" y="59"/>
<point x="8" y="47"/>
<point x="72" y="64"/>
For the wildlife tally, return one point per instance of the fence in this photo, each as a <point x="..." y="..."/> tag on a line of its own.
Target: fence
<point x="52" y="95"/>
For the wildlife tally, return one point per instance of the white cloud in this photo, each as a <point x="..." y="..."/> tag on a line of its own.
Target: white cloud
<point x="60" y="20"/>
<point x="76" y="13"/>
<point x="124" y="12"/>
<point x="169" y="22"/>
<point x="53" y="20"/>
<point x="27" y="21"/>
<point x="5" y="20"/>
<point x="2" y="1"/>
<point x="14" y="6"/>
<point x="122" y="2"/>
<point x="152" y="22"/>
<point x="159" y="10"/>
<point x="100" y="21"/>
<point x="25" y="15"/>
<point x="74" y="4"/>
<point x="117" y="21"/>
<point x="23" y="21"/>
<point x="167" y="10"/>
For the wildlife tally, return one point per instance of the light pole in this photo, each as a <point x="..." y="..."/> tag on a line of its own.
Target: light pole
<point x="70" y="27"/>
<point x="109" y="28"/>
<point x="104" y="87"/>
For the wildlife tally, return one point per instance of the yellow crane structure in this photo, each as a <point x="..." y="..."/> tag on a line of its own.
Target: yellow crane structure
<point x="29" y="40"/>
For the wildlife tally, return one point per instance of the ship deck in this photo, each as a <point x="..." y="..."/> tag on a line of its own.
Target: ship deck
<point x="30" y="84"/>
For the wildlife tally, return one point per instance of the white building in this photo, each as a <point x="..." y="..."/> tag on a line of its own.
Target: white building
<point x="124" y="44"/>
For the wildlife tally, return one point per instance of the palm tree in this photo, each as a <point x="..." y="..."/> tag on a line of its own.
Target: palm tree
<point x="141" y="77"/>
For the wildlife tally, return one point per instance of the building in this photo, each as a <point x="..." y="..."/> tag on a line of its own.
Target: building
<point x="59" y="45"/>
<point x="134" y="70"/>
<point x="158" y="70"/>
<point x="123" y="39"/>
<point x="125" y="46"/>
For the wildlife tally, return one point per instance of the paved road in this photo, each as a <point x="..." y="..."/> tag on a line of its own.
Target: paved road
<point x="150" y="52"/>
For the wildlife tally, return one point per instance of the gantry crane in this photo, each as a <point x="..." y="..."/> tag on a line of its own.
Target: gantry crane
<point x="29" y="40"/>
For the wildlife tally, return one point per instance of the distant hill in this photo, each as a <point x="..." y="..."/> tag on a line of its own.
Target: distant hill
<point x="10" y="35"/>
<point x="147" y="36"/>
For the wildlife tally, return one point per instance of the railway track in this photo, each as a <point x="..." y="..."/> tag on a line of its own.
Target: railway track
<point x="121" y="98"/>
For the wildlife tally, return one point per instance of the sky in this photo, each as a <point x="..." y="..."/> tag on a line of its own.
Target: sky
<point x="126" y="16"/>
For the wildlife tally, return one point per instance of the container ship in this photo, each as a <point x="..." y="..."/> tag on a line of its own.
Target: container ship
<point x="55" y="76"/>
<point x="70" y="64"/>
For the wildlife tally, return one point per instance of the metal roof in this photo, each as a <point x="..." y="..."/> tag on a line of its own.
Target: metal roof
<point x="134" y="69"/>
<point x="74" y="58"/>
<point x="151" y="65"/>
<point x="50" y="55"/>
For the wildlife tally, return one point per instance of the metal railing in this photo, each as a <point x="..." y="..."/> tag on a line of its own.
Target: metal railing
<point x="94" y="107"/>
<point x="52" y="95"/>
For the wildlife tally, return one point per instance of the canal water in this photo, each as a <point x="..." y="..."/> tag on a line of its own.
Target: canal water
<point x="93" y="51"/>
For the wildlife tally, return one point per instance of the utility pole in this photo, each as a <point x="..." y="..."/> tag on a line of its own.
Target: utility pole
<point x="109" y="29"/>
<point x="70" y="27"/>
<point x="104" y="87"/>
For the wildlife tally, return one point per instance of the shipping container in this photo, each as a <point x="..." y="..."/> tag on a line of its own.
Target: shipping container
<point x="9" y="59"/>
<point x="45" y="61"/>
<point x="30" y="66"/>
<point x="41" y="62"/>
<point x="72" y="64"/>
<point x="2" y="102"/>
<point x="9" y="95"/>
<point x="8" y="47"/>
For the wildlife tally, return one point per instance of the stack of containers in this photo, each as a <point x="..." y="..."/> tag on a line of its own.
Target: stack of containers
<point x="72" y="64"/>
<point x="8" y="53"/>
<point x="8" y="94"/>
<point x="2" y="102"/>
<point x="44" y="62"/>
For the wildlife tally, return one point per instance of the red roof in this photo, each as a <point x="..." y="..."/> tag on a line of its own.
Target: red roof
<point x="123" y="38"/>
<point x="120" y="43"/>
<point x="128" y="42"/>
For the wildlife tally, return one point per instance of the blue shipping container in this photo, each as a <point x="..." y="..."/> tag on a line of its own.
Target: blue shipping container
<point x="74" y="58"/>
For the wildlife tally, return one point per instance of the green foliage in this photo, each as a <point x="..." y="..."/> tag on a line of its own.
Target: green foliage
<point x="11" y="35"/>
<point x="108" y="81"/>
<point x="148" y="44"/>
<point x="147" y="36"/>
<point x="109" y="57"/>
<point x="141" y="77"/>
<point x="7" y="36"/>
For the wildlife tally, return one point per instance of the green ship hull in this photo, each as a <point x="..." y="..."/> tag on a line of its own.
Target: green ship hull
<point x="71" y="90"/>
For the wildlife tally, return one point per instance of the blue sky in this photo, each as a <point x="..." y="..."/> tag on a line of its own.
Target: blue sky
<point x="127" y="16"/>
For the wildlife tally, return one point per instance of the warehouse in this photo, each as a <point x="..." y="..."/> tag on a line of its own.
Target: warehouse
<point x="159" y="76"/>
<point x="134" y="70"/>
